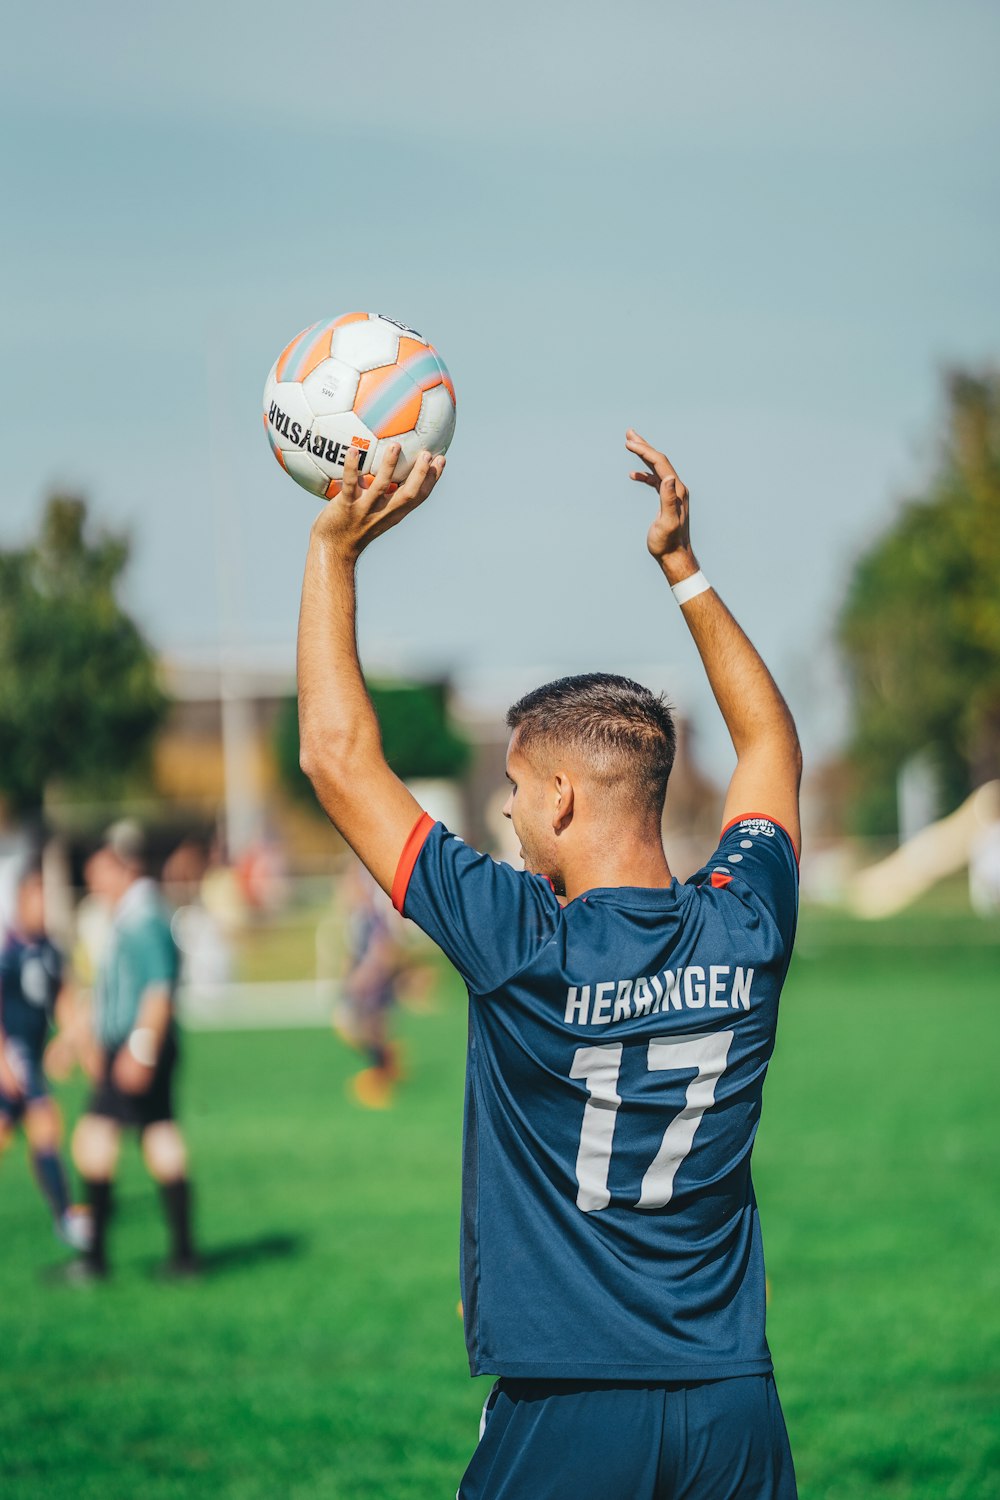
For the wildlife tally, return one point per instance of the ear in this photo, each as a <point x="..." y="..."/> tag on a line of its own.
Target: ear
<point x="562" y="805"/>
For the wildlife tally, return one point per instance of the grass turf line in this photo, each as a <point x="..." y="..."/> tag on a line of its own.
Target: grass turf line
<point x="322" y="1355"/>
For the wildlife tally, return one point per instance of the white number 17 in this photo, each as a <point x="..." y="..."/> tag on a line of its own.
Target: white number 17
<point x="599" y="1068"/>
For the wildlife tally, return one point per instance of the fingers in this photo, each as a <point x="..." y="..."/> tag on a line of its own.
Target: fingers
<point x="383" y="478"/>
<point x="434" y="471"/>
<point x="384" y="504"/>
<point x="662" y="475"/>
<point x="419" y="482"/>
<point x="651" y="457"/>
<point x="668" y="489"/>
<point x="350" y="486"/>
<point x="657" y="462"/>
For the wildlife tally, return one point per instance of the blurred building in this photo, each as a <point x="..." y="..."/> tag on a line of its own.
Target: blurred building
<point x="216" y="756"/>
<point x="214" y="762"/>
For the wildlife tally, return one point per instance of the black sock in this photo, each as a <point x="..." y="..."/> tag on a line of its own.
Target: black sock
<point x="99" y="1202"/>
<point x="176" y="1197"/>
<point x="51" y="1176"/>
<point x="379" y="1055"/>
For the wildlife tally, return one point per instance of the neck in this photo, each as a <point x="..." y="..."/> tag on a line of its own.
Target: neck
<point x="616" y="859"/>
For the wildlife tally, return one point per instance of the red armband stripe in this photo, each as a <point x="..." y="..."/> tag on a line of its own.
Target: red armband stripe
<point x="744" y="817"/>
<point x="407" y="860"/>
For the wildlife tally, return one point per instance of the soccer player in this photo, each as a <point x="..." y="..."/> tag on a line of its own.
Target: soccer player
<point x="370" y="984"/>
<point x="135" y="1028"/>
<point x="33" y="997"/>
<point x="621" y="1025"/>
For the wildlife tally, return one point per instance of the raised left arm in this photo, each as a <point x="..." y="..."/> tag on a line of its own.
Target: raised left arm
<point x="341" y="746"/>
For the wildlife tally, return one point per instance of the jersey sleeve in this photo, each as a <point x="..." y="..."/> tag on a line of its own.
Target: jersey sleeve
<point x="154" y="955"/>
<point x="755" y="859"/>
<point x="486" y="917"/>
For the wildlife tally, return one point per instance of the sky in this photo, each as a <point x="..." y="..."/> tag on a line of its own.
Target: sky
<point x="756" y="233"/>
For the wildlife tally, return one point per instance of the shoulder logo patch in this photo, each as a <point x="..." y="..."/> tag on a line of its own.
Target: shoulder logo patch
<point x="762" y="826"/>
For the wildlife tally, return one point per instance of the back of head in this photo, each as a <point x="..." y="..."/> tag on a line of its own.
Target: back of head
<point x="117" y="862"/>
<point x="617" y="730"/>
<point x="126" y="839"/>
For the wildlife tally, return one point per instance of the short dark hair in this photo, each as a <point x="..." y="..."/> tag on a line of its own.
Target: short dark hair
<point x="625" y="731"/>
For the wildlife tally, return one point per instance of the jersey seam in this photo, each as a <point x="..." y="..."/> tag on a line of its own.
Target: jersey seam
<point x="516" y="973"/>
<point x="432" y="824"/>
<point x="751" y="899"/>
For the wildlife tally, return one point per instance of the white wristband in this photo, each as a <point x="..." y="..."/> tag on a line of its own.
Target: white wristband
<point x="690" y="588"/>
<point x="142" y="1045"/>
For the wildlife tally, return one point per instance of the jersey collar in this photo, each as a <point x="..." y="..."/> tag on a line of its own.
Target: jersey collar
<point x="141" y="893"/>
<point x="633" y="895"/>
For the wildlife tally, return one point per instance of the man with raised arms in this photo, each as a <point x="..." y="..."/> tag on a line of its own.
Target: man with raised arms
<point x="620" y="1027"/>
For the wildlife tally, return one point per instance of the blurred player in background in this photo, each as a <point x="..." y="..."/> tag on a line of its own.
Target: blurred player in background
<point x="372" y="971"/>
<point x="620" y="1029"/>
<point x="134" y="1026"/>
<point x="33" y="998"/>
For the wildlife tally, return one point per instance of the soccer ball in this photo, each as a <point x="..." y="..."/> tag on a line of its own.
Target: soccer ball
<point x="360" y="380"/>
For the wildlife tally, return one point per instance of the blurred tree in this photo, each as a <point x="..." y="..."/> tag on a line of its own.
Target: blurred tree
<point x="79" y="696"/>
<point x="418" y="736"/>
<point x="921" y="624"/>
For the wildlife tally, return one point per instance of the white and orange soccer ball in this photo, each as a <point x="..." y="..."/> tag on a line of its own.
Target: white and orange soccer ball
<point x="360" y="380"/>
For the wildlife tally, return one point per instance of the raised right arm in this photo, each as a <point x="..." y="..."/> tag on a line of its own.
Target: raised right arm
<point x="768" y="757"/>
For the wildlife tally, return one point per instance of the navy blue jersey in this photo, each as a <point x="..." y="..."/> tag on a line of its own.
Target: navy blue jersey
<point x="30" y="980"/>
<point x="617" y="1053"/>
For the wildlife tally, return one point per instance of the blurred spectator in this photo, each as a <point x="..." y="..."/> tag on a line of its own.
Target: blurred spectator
<point x="221" y="892"/>
<point x="14" y="850"/>
<point x="134" y="1025"/>
<point x="183" y="871"/>
<point x="33" y="996"/>
<point x="199" y="932"/>
<point x="263" y="876"/>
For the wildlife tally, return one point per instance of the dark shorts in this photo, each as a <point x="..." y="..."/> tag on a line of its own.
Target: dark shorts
<point x="27" y="1064"/>
<point x="580" y="1440"/>
<point x="138" y="1110"/>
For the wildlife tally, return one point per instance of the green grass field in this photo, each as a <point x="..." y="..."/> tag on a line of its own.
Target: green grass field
<point x="321" y="1356"/>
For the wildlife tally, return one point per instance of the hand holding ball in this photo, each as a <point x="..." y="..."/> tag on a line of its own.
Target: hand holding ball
<point x="359" y="380"/>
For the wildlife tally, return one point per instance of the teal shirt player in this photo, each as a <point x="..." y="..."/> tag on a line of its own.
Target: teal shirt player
<point x="141" y="952"/>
